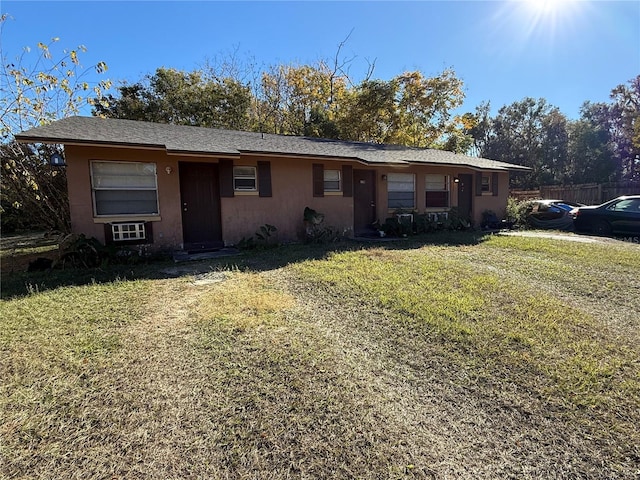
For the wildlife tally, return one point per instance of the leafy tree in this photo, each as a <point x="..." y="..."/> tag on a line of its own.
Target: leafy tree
<point x="315" y="100"/>
<point x="598" y="147"/>
<point x="321" y="124"/>
<point x="36" y="88"/>
<point x="368" y="113"/>
<point x="409" y="110"/>
<point x="529" y="133"/>
<point x="479" y="126"/>
<point x="590" y="158"/>
<point x="299" y="100"/>
<point x="624" y="121"/>
<point x="181" y="98"/>
<point x="554" y="147"/>
<point x="605" y="141"/>
<point x="34" y="195"/>
<point x="425" y="106"/>
<point x="458" y="141"/>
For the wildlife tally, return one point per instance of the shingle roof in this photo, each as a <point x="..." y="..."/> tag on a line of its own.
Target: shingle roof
<point x="186" y="139"/>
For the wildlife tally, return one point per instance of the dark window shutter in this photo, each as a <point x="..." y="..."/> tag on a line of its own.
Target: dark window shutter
<point x="318" y="180"/>
<point x="347" y="181"/>
<point x="494" y="184"/>
<point x="108" y="234"/>
<point x="226" y="177"/>
<point x="478" y="184"/>
<point x="264" y="178"/>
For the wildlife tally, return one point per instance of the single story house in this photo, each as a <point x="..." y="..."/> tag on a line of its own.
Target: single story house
<point x="184" y="187"/>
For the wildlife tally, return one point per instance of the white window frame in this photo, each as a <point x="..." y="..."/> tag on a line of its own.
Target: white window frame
<point x="401" y="180"/>
<point x="339" y="180"/>
<point x="122" y="232"/>
<point x="486" y="188"/>
<point x="239" y="175"/>
<point x="445" y="184"/>
<point x="96" y="187"/>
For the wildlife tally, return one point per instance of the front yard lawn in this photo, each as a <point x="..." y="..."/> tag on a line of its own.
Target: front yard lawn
<point x="505" y="357"/>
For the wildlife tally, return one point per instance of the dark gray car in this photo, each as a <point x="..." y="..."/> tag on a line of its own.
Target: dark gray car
<point x="620" y="215"/>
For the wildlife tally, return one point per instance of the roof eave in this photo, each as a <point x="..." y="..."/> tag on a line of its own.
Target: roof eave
<point x="232" y="153"/>
<point x="67" y="141"/>
<point x="98" y="143"/>
<point x="505" y="168"/>
<point x="319" y="156"/>
<point x="192" y="153"/>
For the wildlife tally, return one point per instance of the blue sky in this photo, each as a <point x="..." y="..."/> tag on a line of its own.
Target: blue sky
<point x="564" y="51"/>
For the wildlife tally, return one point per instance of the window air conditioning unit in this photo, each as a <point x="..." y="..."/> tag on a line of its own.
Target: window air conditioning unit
<point x="405" y="217"/>
<point x="438" y="216"/>
<point x="128" y="231"/>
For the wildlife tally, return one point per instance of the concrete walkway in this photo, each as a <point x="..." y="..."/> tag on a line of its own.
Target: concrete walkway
<point x="570" y="237"/>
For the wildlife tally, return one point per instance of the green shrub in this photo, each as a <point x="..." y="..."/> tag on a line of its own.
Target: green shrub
<point x="316" y="232"/>
<point x="517" y="211"/>
<point x="456" y="221"/>
<point x="398" y="226"/>
<point x="263" y="238"/>
<point x="79" y="251"/>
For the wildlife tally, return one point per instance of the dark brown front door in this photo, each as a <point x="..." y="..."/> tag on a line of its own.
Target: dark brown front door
<point x="364" y="200"/>
<point x="465" y="187"/>
<point x="200" y="203"/>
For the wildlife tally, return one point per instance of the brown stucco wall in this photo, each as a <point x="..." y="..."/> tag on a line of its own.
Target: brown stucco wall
<point x="243" y="214"/>
<point x="497" y="204"/>
<point x="420" y="173"/>
<point x="167" y="226"/>
<point x="292" y="187"/>
<point x="480" y="203"/>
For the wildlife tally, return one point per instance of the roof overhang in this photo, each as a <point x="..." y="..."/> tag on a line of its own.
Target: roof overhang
<point x="138" y="146"/>
<point x="198" y="141"/>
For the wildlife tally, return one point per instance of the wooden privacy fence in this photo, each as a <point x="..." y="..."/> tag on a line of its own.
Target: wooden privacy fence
<point x="525" y="194"/>
<point x="588" y="194"/>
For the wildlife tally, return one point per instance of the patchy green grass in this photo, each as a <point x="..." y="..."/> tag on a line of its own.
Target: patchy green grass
<point x="504" y="323"/>
<point x="53" y="346"/>
<point x="505" y="358"/>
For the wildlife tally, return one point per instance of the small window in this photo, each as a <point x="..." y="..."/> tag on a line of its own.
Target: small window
<point x="401" y="188"/>
<point x="437" y="191"/>
<point x="124" y="188"/>
<point x="332" y="181"/>
<point x="486" y="184"/>
<point x="244" y="179"/>
<point x="128" y="231"/>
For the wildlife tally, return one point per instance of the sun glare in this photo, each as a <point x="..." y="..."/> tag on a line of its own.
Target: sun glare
<point x="545" y="26"/>
<point x="546" y="18"/>
<point x="546" y="7"/>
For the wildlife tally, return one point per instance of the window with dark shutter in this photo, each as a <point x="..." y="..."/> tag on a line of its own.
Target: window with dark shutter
<point x="245" y="179"/>
<point x="332" y="181"/>
<point x="494" y="184"/>
<point x="478" y="184"/>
